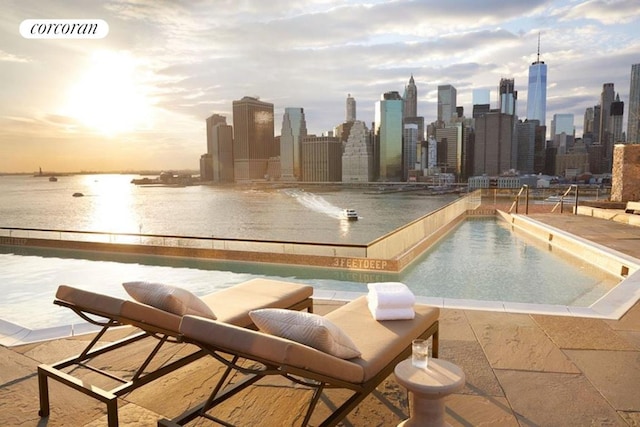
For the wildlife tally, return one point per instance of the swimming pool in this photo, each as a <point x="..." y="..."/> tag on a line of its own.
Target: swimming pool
<point x="481" y="260"/>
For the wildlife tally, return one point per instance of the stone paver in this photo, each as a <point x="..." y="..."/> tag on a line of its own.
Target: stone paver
<point x="479" y="411"/>
<point x="514" y="341"/>
<point x="479" y="375"/>
<point x="616" y="374"/>
<point x="556" y="399"/>
<point x="581" y="333"/>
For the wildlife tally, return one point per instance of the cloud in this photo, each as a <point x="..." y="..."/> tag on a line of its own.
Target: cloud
<point x="605" y="11"/>
<point x="10" y="57"/>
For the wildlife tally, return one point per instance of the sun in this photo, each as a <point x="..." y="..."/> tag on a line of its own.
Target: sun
<point x="110" y="96"/>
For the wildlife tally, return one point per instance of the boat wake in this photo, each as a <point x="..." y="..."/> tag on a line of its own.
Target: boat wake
<point x="316" y="203"/>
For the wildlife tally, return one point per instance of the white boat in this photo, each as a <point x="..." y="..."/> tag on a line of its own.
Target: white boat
<point x="351" y="214"/>
<point x="553" y="199"/>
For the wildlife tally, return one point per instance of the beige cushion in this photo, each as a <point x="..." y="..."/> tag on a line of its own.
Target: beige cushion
<point x="168" y="298"/>
<point x="305" y="328"/>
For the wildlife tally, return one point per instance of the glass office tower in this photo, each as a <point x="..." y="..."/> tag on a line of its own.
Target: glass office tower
<point x="537" y="92"/>
<point x="388" y="131"/>
<point x="294" y="128"/>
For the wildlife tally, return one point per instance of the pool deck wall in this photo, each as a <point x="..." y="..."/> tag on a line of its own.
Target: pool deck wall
<point x="618" y="300"/>
<point x="389" y="253"/>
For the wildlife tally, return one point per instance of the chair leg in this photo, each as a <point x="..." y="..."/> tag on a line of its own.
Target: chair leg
<point x="43" y="386"/>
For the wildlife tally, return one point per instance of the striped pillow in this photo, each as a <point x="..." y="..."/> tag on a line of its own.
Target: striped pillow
<point x="306" y="328"/>
<point x="168" y="298"/>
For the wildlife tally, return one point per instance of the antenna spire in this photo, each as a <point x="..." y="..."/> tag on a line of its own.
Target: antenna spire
<point x="538" y="46"/>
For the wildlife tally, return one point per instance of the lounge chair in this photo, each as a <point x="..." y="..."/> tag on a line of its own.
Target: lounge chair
<point x="383" y="344"/>
<point x="230" y="306"/>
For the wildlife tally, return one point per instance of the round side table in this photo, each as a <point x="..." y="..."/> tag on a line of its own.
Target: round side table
<point x="427" y="389"/>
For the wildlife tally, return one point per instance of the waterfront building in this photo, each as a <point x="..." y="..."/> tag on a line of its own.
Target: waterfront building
<point x="507" y="96"/>
<point x="617" y="111"/>
<point x="254" y="141"/>
<point x="206" y="168"/>
<point x="537" y="90"/>
<point x="294" y="127"/>
<point x="357" y="159"/>
<point x="410" y="150"/>
<point x="321" y="159"/>
<point x="633" y="119"/>
<point x="447" y="98"/>
<point x="410" y="99"/>
<point x="526" y="140"/>
<point x="494" y="150"/>
<point x="388" y="137"/>
<point x="219" y="150"/>
<point x="351" y="109"/>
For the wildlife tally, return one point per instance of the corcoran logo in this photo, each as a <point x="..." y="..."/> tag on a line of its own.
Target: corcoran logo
<point x="64" y="28"/>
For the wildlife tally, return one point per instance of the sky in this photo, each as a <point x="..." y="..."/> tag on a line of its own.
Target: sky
<point x="138" y="98"/>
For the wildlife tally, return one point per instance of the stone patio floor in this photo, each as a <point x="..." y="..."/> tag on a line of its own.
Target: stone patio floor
<point x="521" y="370"/>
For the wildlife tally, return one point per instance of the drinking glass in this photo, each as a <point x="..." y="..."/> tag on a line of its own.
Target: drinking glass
<point x="420" y="353"/>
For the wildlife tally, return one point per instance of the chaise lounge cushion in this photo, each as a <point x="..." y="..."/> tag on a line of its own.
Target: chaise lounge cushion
<point x="306" y="328"/>
<point x="169" y="298"/>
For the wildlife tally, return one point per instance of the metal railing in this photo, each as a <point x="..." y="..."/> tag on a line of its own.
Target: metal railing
<point x="516" y="201"/>
<point x="561" y="202"/>
<point x="565" y="194"/>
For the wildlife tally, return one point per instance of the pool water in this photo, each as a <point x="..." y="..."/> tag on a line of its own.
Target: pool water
<point x="481" y="259"/>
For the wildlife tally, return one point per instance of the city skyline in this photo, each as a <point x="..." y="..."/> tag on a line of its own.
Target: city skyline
<point x="138" y="98"/>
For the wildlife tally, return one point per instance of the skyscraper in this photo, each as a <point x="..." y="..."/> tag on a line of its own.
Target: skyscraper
<point x="605" y="137"/>
<point x="356" y="157"/>
<point x="351" y="109"/>
<point x="410" y="99"/>
<point x="633" y="121"/>
<point x="508" y="96"/>
<point x="321" y="159"/>
<point x="294" y="127"/>
<point x="388" y="133"/>
<point x="253" y="142"/>
<point x="587" y="126"/>
<point x="446" y="102"/>
<point x="481" y="97"/>
<point x="537" y="90"/>
<point x="606" y="98"/>
<point x="562" y="132"/>
<point x="526" y="137"/>
<point x="493" y="148"/>
<point x="562" y="123"/>
<point x="617" y="111"/>
<point x="220" y="149"/>
<point x="410" y="149"/>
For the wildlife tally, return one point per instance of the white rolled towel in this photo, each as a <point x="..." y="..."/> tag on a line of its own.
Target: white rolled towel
<point x="390" y="295"/>
<point x="392" y="313"/>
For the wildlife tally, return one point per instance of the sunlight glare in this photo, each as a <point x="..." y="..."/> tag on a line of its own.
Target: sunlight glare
<point x="113" y="204"/>
<point x="110" y="98"/>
